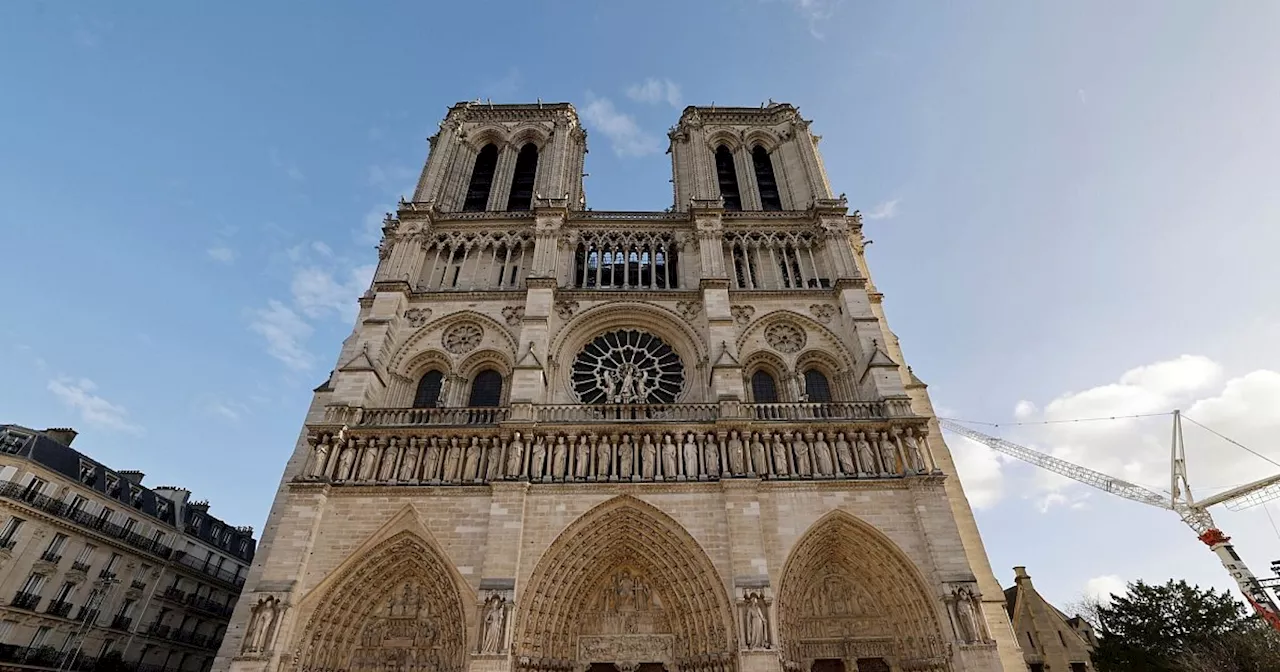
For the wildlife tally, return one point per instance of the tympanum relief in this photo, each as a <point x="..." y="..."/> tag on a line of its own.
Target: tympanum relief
<point x="404" y="636"/>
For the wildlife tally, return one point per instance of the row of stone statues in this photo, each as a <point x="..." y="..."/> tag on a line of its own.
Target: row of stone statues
<point x="620" y="456"/>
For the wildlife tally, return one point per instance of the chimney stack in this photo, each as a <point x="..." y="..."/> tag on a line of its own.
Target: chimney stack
<point x="1020" y="574"/>
<point x="63" y="435"/>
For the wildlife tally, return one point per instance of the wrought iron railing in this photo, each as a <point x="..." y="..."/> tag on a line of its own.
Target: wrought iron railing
<point x="23" y="600"/>
<point x="16" y="492"/>
<point x="60" y="608"/>
<point x="212" y="571"/>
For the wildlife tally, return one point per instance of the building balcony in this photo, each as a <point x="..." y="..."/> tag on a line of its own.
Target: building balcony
<point x="44" y="656"/>
<point x="211" y="571"/>
<point x="8" y="544"/>
<point x="25" y="601"/>
<point x="158" y="630"/>
<point x="121" y="622"/>
<point x="106" y="575"/>
<point x="78" y="566"/>
<point x="50" y="556"/>
<point x="624" y="443"/>
<point x="87" y="615"/>
<point x="60" y="609"/>
<point x="15" y="492"/>
<point x="209" y="606"/>
<point x="138" y="585"/>
<point x="174" y="594"/>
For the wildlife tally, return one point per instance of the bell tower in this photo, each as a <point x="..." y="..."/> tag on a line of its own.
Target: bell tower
<point x="754" y="158"/>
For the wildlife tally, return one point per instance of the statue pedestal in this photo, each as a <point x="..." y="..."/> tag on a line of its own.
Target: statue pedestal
<point x="759" y="661"/>
<point x="489" y="662"/>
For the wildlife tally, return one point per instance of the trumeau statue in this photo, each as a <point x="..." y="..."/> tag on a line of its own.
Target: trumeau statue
<point x="495" y="621"/>
<point x="756" y="623"/>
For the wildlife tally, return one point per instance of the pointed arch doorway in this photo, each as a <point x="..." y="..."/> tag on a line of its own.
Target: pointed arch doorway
<point x="625" y="589"/>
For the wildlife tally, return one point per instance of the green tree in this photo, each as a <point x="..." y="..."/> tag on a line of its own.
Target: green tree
<point x="1181" y="628"/>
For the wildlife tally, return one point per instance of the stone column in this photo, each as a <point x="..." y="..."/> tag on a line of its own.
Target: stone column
<point x="500" y="189"/>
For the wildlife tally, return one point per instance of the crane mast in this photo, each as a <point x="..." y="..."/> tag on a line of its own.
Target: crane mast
<point x="1179" y="500"/>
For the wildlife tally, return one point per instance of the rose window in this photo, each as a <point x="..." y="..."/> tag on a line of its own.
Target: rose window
<point x="627" y="367"/>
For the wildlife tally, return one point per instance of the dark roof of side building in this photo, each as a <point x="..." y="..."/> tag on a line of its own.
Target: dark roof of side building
<point x="42" y="448"/>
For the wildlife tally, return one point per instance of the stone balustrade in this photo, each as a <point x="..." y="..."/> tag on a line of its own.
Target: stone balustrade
<point x="646" y="450"/>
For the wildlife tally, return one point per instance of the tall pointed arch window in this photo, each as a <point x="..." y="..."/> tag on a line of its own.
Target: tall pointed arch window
<point x="770" y="199"/>
<point x="728" y="177"/>
<point x="764" y="389"/>
<point x="816" y="386"/>
<point x="522" y="182"/>
<point x="428" y="393"/>
<point x="486" y="389"/>
<point x="481" y="179"/>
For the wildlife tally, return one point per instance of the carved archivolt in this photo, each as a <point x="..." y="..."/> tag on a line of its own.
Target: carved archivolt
<point x="420" y="340"/>
<point x="398" y="609"/>
<point x="625" y="571"/>
<point x="817" y="336"/>
<point x="845" y="580"/>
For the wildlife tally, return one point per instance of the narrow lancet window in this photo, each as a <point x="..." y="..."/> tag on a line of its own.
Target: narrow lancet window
<point x="486" y="389"/>
<point x="522" y="183"/>
<point x="764" y="390"/>
<point x="481" y="179"/>
<point x="728" y="177"/>
<point x="428" y="394"/>
<point x="816" y="386"/>
<point x="769" y="196"/>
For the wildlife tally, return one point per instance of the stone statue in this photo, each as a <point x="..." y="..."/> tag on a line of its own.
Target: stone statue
<point x="670" y="458"/>
<point x="369" y="459"/>
<point x="515" y="456"/>
<point x="559" y="458"/>
<point x="538" y="458"/>
<point x="759" y="457"/>
<point x="916" y="456"/>
<point x="756" y="626"/>
<point x="582" y="460"/>
<point x="263" y="619"/>
<point x="431" y="460"/>
<point x="494" y="625"/>
<point x="966" y="615"/>
<point x="690" y="457"/>
<point x="888" y="454"/>
<point x="409" y="463"/>
<point x="822" y="462"/>
<point x="346" y="460"/>
<point x="780" y="466"/>
<point x="866" y="456"/>
<point x="737" y="454"/>
<point x="844" y="453"/>
<point x="626" y="457"/>
<point x="711" y="456"/>
<point x="452" y="460"/>
<point x="493" y="458"/>
<point x="471" y="471"/>
<point x="801" y="451"/>
<point x="604" y="459"/>
<point x="389" y="458"/>
<point x="320" y="457"/>
<point x="648" y="458"/>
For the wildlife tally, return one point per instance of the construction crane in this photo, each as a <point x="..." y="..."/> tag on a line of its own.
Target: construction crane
<point x="1179" y="500"/>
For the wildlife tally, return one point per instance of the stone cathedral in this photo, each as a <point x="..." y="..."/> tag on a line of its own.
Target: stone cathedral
<point x="571" y="440"/>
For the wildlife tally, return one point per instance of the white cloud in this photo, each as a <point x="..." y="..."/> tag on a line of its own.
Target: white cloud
<point x="1137" y="449"/>
<point x="93" y="409"/>
<point x="979" y="470"/>
<point x="231" y="410"/>
<point x="653" y="90"/>
<point x="286" y="166"/>
<point x="316" y="293"/>
<point x="222" y="254"/>
<point x="621" y="129"/>
<point x="285" y="331"/>
<point x="1103" y="587"/>
<point x="815" y="12"/>
<point x="883" y="210"/>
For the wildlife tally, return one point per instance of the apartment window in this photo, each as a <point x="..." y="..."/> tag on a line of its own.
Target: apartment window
<point x="135" y="496"/>
<point x="226" y="537"/>
<point x="157" y="537"/>
<point x="10" y="529"/>
<point x="35" y="487"/>
<point x="106" y="647"/>
<point x="162" y="508"/>
<point x="34" y="584"/>
<point x="88" y="473"/>
<point x="244" y="547"/>
<point x="104" y="515"/>
<point x="111" y="563"/>
<point x="113" y="485"/>
<point x="143" y="571"/>
<point x="130" y="524"/>
<point x="41" y="637"/>
<point x="217" y="530"/>
<point x="1079" y="667"/>
<point x="64" y="592"/>
<point x="6" y="627"/>
<point x="86" y="553"/>
<point x="54" y="551"/>
<point x="78" y="503"/>
<point x="125" y="608"/>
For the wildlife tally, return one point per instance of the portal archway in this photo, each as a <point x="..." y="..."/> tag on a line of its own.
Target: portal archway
<point x="848" y="593"/>
<point x="625" y="584"/>
<point x="399" y="608"/>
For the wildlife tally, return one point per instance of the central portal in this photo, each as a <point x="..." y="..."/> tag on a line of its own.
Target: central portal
<point x="625" y="623"/>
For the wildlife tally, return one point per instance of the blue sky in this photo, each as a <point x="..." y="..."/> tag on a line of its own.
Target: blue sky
<point x="1072" y="206"/>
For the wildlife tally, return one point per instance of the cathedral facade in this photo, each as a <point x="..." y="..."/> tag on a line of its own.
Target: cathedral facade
<point x="568" y="440"/>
